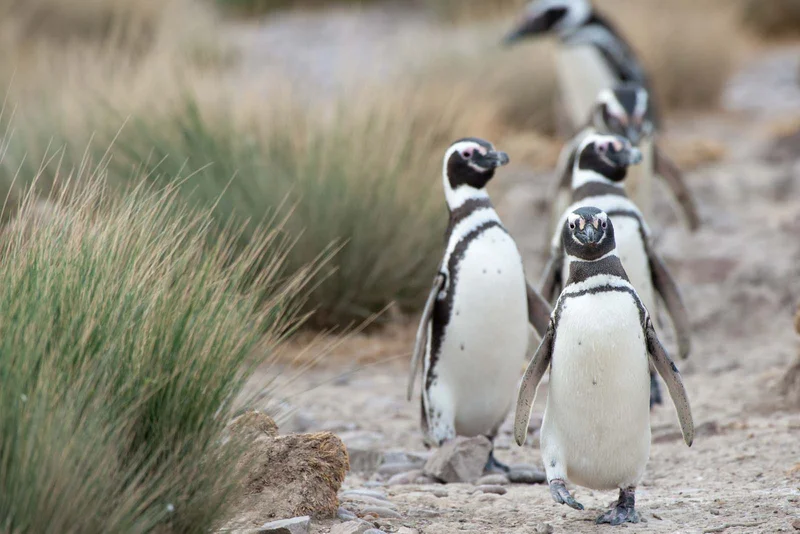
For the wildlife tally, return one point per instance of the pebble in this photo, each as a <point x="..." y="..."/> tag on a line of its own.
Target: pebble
<point x="424" y="512"/>
<point x="366" y="499"/>
<point x="345" y="515"/>
<point x="368" y="493"/>
<point x="380" y="511"/>
<point x="544" y="528"/>
<point x="374" y="531"/>
<point x="459" y="460"/>
<point x="495" y="480"/>
<point x="439" y="492"/>
<point x="526" y="475"/>
<point x="491" y="488"/>
<point x="796" y="524"/>
<point x="352" y="527"/>
<point x="406" y="530"/>
<point x="409" y="477"/>
<point x="295" y="525"/>
<point x="487" y="497"/>
<point x="391" y="469"/>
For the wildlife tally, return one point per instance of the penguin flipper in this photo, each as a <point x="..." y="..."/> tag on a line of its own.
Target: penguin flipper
<point x="672" y="378"/>
<point x="551" y="278"/>
<point x="538" y="311"/>
<point x="422" y="332"/>
<point x="672" y="175"/>
<point x="667" y="288"/>
<point x="530" y="383"/>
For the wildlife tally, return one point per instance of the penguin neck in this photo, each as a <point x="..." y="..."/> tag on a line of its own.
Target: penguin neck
<point x="464" y="195"/>
<point x="609" y="266"/>
<point x="581" y="177"/>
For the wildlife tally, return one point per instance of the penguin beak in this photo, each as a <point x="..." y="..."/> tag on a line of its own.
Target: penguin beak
<point x="494" y="159"/>
<point x="634" y="135"/>
<point x="590" y="235"/>
<point x="627" y="156"/>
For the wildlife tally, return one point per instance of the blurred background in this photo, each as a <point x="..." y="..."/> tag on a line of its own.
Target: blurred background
<point x="190" y="183"/>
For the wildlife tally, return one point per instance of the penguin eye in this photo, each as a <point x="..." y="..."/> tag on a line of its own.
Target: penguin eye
<point x="604" y="224"/>
<point x="602" y="149"/>
<point x="467" y="154"/>
<point x="572" y="226"/>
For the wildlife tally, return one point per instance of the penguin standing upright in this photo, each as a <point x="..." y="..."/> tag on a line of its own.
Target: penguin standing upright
<point x="591" y="55"/>
<point x="626" y="110"/>
<point x="474" y="326"/>
<point x="596" y="426"/>
<point x="598" y="179"/>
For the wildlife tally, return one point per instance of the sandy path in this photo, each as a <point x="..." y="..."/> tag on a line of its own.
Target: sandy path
<point x="740" y="275"/>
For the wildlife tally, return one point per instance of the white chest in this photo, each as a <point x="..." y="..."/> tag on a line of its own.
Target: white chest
<point x="582" y="73"/>
<point x="597" y="416"/>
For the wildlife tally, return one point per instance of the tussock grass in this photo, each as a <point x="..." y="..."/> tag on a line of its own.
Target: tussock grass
<point x="127" y="331"/>
<point x="365" y="181"/>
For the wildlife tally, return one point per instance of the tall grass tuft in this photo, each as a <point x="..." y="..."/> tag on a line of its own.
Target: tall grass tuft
<point x="365" y="181"/>
<point x="126" y="331"/>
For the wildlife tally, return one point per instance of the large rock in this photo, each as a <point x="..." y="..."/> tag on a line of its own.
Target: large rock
<point x="296" y="525"/>
<point x="459" y="460"/>
<point x="287" y="476"/>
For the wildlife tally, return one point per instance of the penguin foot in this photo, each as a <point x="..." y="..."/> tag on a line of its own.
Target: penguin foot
<point x="655" y="391"/>
<point x="560" y="494"/>
<point x="493" y="465"/>
<point x="623" y="511"/>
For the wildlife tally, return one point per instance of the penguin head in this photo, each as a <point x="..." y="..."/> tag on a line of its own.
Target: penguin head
<point x="542" y="16"/>
<point x="588" y="234"/>
<point x="625" y="111"/>
<point x="469" y="164"/>
<point x="604" y="158"/>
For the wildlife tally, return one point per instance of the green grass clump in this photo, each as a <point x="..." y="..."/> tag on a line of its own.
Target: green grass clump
<point x="125" y="335"/>
<point x="366" y="180"/>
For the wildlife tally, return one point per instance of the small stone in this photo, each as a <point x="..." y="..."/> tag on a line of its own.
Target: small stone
<point x="369" y="493"/>
<point x="380" y="511"/>
<point x="496" y="480"/>
<point x="424" y="512"/>
<point x="345" y="515"/>
<point x="459" y="460"/>
<point x="409" y="477"/>
<point x="374" y="531"/>
<point x="352" y="527"/>
<point x="391" y="469"/>
<point x="406" y="530"/>
<point x="525" y="474"/>
<point x="296" y="525"/>
<point x="796" y="524"/>
<point x="439" y="492"/>
<point x="491" y="488"/>
<point x="485" y="497"/>
<point x="544" y="528"/>
<point x="425" y="479"/>
<point x="367" y="500"/>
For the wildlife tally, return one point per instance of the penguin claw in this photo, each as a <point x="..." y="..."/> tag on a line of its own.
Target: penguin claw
<point x="561" y="495"/>
<point x="618" y="515"/>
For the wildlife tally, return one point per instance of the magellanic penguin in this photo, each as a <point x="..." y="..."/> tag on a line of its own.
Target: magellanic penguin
<point x="626" y="110"/>
<point x="474" y="327"/>
<point x="598" y="179"/>
<point x="596" y="427"/>
<point x="591" y="55"/>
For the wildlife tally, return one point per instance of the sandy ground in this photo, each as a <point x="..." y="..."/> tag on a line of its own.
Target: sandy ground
<point x="740" y="277"/>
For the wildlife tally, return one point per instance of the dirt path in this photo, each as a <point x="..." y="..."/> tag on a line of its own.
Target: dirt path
<point x="740" y="276"/>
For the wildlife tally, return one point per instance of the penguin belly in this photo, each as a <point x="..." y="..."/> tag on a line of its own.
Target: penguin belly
<point x="639" y="181"/>
<point x="582" y="74"/>
<point x="596" y="427"/>
<point x="487" y="336"/>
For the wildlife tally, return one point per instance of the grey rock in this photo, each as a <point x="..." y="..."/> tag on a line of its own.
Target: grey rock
<point x="525" y="474"/>
<point x="391" y="469"/>
<point x="406" y="530"/>
<point x="424" y="512"/>
<point x="345" y="515"/>
<point x="399" y="457"/>
<point x="352" y="527"/>
<point x="439" y="492"/>
<point x="495" y="480"/>
<point x="425" y="479"/>
<point x="295" y="525"/>
<point x="491" y="488"/>
<point x="544" y="528"/>
<point x="408" y="477"/>
<point x="380" y="511"/>
<point x="369" y="493"/>
<point x="374" y="531"/>
<point x="367" y="500"/>
<point x="459" y="460"/>
<point x="373" y="484"/>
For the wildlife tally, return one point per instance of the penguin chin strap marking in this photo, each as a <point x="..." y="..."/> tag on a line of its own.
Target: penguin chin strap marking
<point x="623" y="510"/>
